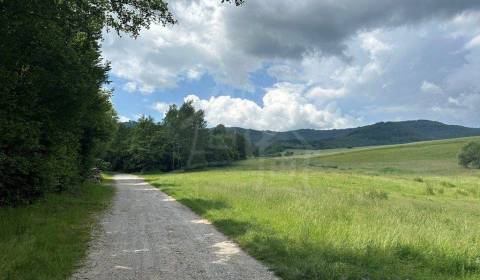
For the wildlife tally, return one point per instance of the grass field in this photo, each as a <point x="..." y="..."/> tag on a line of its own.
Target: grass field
<point x="45" y="240"/>
<point x="397" y="212"/>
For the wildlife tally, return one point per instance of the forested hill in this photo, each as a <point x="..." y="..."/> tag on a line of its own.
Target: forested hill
<point x="382" y="133"/>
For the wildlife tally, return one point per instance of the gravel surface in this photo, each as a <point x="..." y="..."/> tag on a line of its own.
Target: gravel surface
<point x="148" y="235"/>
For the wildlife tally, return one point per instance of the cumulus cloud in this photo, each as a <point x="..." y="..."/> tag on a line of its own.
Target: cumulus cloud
<point x="332" y="62"/>
<point x="164" y="56"/>
<point x="161" y="107"/>
<point x="322" y="94"/>
<point x="474" y="43"/>
<point x="229" y="42"/>
<point x="284" y="107"/>
<point x="130" y="86"/>
<point x="123" y="119"/>
<point x="429" y="87"/>
<point x="290" y="29"/>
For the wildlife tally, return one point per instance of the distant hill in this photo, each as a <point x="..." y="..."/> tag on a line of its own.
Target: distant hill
<point x="383" y="133"/>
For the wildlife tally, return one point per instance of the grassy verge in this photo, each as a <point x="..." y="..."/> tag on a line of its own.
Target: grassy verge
<point x="45" y="240"/>
<point x="345" y="223"/>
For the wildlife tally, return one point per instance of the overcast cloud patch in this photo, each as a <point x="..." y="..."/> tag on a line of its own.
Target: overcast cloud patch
<point x="355" y="61"/>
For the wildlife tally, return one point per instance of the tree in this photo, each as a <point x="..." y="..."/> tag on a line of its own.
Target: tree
<point x="219" y="149"/>
<point x="219" y="130"/>
<point x="187" y="128"/>
<point x="54" y="116"/>
<point x="118" y="151"/>
<point x="470" y="155"/>
<point x="241" y="146"/>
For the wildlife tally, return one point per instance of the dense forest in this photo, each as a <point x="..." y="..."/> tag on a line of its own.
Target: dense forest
<point x="55" y="118"/>
<point x="181" y="141"/>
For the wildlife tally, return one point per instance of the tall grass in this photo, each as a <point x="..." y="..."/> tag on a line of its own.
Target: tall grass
<point x="345" y="223"/>
<point x="45" y="240"/>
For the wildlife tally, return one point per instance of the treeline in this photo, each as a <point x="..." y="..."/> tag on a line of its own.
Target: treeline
<point x="55" y="119"/>
<point x="181" y="141"/>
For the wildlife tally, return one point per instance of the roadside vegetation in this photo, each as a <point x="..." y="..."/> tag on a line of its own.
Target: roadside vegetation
<point x="397" y="212"/>
<point x="47" y="239"/>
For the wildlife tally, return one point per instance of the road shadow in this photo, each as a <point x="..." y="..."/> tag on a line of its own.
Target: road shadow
<point x="233" y="228"/>
<point x="202" y="206"/>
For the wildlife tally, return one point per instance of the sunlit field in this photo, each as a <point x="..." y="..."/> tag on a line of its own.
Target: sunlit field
<point x="395" y="212"/>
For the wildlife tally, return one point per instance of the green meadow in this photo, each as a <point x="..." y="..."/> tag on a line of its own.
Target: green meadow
<point x="392" y="212"/>
<point x="47" y="239"/>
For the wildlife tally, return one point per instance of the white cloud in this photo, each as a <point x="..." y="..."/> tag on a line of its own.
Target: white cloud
<point x="429" y="87"/>
<point x="370" y="42"/>
<point x="284" y="108"/>
<point x="453" y="101"/>
<point x="475" y="42"/>
<point x="130" y="86"/>
<point x="123" y="119"/>
<point x="322" y="94"/>
<point x="164" y="56"/>
<point x="161" y="107"/>
<point x="146" y="88"/>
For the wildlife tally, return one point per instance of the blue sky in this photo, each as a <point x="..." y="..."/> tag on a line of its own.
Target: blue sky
<point x="284" y="64"/>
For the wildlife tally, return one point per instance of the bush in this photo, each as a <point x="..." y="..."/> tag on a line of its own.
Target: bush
<point x="448" y="184"/>
<point x="418" y="179"/>
<point x="470" y="155"/>
<point x="429" y="190"/>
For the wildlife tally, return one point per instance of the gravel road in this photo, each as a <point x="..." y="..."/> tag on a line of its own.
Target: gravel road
<point x="148" y="235"/>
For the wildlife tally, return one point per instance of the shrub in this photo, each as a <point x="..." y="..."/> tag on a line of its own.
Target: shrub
<point x="470" y="155"/>
<point x="418" y="179"/>
<point x="448" y="184"/>
<point x="429" y="190"/>
<point x="462" y="192"/>
<point x="376" y="195"/>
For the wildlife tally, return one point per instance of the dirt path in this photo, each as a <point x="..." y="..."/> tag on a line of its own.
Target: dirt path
<point x="149" y="235"/>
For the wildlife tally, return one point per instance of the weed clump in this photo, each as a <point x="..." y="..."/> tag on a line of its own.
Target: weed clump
<point x="418" y="179"/>
<point x="330" y="166"/>
<point x="448" y="185"/>
<point x="376" y="195"/>
<point x="473" y="191"/>
<point x="429" y="190"/>
<point x="462" y="192"/>
<point x="389" y="170"/>
<point x="288" y="153"/>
